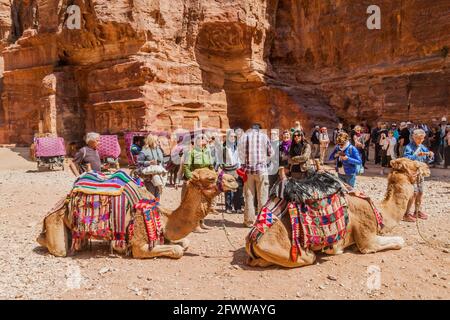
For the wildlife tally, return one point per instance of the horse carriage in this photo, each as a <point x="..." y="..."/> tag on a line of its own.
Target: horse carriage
<point x="109" y="152"/>
<point x="49" y="152"/>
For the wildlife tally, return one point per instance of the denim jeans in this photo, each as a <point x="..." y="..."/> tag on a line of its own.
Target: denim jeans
<point x="233" y="200"/>
<point x="349" y="179"/>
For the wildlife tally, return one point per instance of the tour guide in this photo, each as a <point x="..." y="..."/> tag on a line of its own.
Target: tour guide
<point x="347" y="159"/>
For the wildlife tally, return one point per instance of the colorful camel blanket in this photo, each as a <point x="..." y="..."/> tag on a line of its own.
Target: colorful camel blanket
<point x="317" y="211"/>
<point x="99" y="205"/>
<point x="152" y="221"/>
<point x="268" y="215"/>
<point x="317" y="223"/>
<point x="103" y="184"/>
<point x="90" y="218"/>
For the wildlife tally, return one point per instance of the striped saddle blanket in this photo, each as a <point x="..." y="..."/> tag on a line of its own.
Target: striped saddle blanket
<point x="105" y="184"/>
<point x="99" y="205"/>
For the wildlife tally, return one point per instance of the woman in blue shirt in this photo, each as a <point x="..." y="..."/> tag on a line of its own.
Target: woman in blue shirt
<point x="416" y="151"/>
<point x="348" y="160"/>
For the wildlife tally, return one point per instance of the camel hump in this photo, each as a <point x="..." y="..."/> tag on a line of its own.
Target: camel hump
<point x="315" y="186"/>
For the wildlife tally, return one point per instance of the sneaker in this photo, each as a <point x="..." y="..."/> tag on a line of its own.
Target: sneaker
<point x="421" y="215"/>
<point x="409" y="218"/>
<point x="233" y="211"/>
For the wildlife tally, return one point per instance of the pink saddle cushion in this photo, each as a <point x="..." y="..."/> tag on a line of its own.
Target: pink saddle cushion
<point x="50" y="147"/>
<point x="109" y="147"/>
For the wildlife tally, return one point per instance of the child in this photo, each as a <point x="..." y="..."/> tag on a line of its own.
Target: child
<point x="388" y="150"/>
<point x="416" y="151"/>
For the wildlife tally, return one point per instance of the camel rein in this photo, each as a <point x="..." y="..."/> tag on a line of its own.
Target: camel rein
<point x="433" y="244"/>
<point x="224" y="227"/>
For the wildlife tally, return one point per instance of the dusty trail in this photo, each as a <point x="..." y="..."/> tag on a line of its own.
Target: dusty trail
<point x="210" y="269"/>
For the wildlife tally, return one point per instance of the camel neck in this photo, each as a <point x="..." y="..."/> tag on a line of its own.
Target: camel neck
<point x="193" y="207"/>
<point x="396" y="201"/>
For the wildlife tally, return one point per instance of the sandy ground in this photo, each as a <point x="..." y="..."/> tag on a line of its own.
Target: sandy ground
<point x="212" y="268"/>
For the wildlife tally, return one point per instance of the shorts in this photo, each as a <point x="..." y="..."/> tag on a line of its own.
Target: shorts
<point x="418" y="186"/>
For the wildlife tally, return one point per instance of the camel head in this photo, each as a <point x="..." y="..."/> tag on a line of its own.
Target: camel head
<point x="210" y="182"/>
<point x="409" y="168"/>
<point x="55" y="233"/>
<point x="226" y="182"/>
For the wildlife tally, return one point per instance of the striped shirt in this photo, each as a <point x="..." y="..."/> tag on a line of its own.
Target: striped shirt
<point x="255" y="151"/>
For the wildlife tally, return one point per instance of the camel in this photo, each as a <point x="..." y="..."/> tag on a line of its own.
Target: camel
<point x="273" y="248"/>
<point x="177" y="224"/>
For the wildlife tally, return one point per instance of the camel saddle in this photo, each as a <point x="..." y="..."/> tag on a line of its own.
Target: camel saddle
<point x="317" y="211"/>
<point x="99" y="205"/>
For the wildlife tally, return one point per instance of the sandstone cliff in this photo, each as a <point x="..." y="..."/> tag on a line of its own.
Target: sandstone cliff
<point x="159" y="64"/>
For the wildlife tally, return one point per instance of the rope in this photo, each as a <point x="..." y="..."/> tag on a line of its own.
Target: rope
<point x="434" y="244"/>
<point x="224" y="227"/>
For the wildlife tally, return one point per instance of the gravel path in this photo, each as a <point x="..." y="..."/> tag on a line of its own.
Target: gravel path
<point x="211" y="269"/>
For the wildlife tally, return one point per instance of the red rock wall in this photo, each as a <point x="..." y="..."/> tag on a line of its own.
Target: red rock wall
<point x="156" y="64"/>
<point x="400" y="72"/>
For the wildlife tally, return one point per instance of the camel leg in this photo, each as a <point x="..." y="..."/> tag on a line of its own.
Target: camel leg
<point x="143" y="252"/>
<point x="335" y="250"/>
<point x="283" y="258"/>
<point x="380" y="243"/>
<point x="184" y="243"/>
<point x="258" y="263"/>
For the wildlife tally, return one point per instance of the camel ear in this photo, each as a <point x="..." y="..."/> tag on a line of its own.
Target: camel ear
<point x="195" y="176"/>
<point x="397" y="165"/>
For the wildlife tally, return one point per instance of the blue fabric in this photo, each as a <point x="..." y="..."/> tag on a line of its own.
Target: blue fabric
<point x="411" y="151"/>
<point x="354" y="159"/>
<point x="396" y="134"/>
<point x="349" y="179"/>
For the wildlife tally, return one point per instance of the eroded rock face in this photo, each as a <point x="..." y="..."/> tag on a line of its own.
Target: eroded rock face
<point x="160" y="65"/>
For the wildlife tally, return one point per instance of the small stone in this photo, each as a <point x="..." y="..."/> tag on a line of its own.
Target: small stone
<point x="104" y="270"/>
<point x="332" y="278"/>
<point x="435" y="275"/>
<point x="322" y="287"/>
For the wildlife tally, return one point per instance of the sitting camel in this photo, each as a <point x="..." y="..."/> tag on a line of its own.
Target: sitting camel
<point x="274" y="246"/>
<point x="176" y="225"/>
